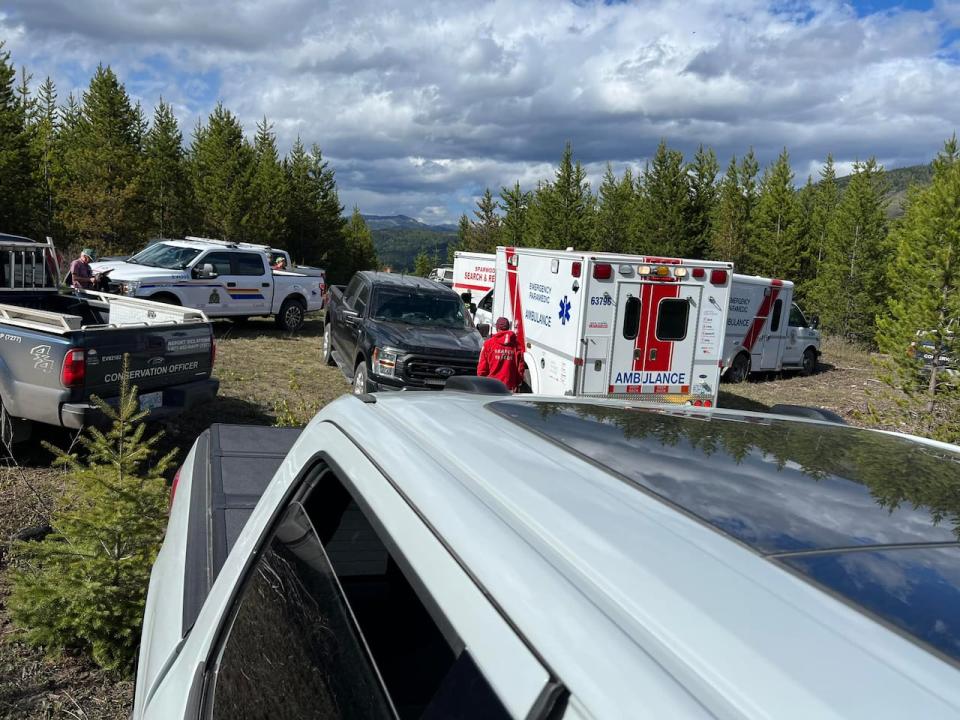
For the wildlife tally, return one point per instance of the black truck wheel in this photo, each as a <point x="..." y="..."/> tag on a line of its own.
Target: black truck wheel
<point x="328" y="345"/>
<point x="290" y="317"/>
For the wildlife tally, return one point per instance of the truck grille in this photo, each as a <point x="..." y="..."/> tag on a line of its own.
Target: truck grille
<point x="430" y="368"/>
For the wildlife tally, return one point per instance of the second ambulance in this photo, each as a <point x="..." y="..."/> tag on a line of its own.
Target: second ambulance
<point x="598" y="324"/>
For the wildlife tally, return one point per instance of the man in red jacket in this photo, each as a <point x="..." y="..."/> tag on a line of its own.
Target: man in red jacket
<point x="502" y="356"/>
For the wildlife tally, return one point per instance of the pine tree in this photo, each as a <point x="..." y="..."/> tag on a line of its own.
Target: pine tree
<point x="166" y="179"/>
<point x="221" y="160"/>
<point x="484" y="233"/>
<point x="561" y="215"/>
<point x="330" y="221"/>
<point x="85" y="584"/>
<point x="774" y="248"/>
<point x="43" y="137"/>
<point x="355" y="254"/>
<point x="18" y="194"/>
<point x="663" y="206"/>
<point x="728" y="229"/>
<point x="702" y="179"/>
<point x="463" y="231"/>
<point x="423" y="264"/>
<point x="925" y="270"/>
<point x="99" y="193"/>
<point x="265" y="218"/>
<point x="806" y="239"/>
<point x="615" y="212"/>
<point x="825" y="206"/>
<point x="515" y="204"/>
<point x="850" y="289"/>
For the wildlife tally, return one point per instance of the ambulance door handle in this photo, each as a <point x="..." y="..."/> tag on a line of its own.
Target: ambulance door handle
<point x="653" y="353"/>
<point x="637" y="353"/>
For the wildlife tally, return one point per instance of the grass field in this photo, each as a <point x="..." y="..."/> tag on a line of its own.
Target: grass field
<point x="268" y="377"/>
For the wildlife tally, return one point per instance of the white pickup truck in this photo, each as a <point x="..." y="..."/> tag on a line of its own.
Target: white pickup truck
<point x="221" y="278"/>
<point x="607" y="560"/>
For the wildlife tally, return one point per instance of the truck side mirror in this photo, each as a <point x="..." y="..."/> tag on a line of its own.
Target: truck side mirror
<point x="205" y="271"/>
<point x="466" y="297"/>
<point x="473" y="308"/>
<point x="350" y="317"/>
<point x="815" y="321"/>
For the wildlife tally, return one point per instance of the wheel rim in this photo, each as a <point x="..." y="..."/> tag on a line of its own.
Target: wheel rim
<point x="359" y="384"/>
<point x="326" y="342"/>
<point x="292" y="316"/>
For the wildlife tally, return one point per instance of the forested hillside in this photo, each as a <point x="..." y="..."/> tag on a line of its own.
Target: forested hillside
<point x="899" y="180"/>
<point x="398" y="240"/>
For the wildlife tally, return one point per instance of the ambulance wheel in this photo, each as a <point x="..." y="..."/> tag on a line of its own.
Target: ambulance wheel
<point x="808" y="366"/>
<point x="328" y="346"/>
<point x="740" y="368"/>
<point x="525" y="386"/>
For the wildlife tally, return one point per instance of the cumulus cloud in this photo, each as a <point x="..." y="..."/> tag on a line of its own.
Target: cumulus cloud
<point x="418" y="105"/>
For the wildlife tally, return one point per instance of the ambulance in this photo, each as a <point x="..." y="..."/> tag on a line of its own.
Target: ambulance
<point x="474" y="273"/>
<point x="767" y="331"/>
<point x="602" y="324"/>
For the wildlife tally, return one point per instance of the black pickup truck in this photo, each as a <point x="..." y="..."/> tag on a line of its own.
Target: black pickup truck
<point x="391" y="332"/>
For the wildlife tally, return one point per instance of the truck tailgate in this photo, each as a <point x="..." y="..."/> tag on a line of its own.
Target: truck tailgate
<point x="232" y="467"/>
<point x="160" y="356"/>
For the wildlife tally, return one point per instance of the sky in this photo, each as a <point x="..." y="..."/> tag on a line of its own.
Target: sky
<point x="420" y="106"/>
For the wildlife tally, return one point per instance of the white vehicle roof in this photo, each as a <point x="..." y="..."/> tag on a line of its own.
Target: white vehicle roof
<point x="758" y="280"/>
<point x="617" y="257"/>
<point x="689" y="563"/>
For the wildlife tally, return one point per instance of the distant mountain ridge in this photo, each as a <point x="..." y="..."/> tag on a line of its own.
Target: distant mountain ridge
<point x="898" y="180"/>
<point x="398" y="239"/>
<point x="384" y="222"/>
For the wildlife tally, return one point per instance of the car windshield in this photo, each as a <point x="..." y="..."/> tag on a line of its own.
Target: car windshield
<point x="161" y="255"/>
<point x="421" y="309"/>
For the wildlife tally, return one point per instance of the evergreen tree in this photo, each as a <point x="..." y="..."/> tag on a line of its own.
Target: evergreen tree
<point x="850" y="289"/>
<point x="561" y="215"/>
<point x="166" y="179"/>
<point x="925" y="271"/>
<point x="265" y="219"/>
<point x="615" y="212"/>
<point x="423" y="264"/>
<point x="516" y="206"/>
<point x="315" y="221"/>
<point x="356" y="253"/>
<point x="702" y="178"/>
<point x="774" y="239"/>
<point x="825" y="206"/>
<point x="98" y="188"/>
<point x="463" y="231"/>
<point x="43" y="137"/>
<point x="728" y="227"/>
<point x="221" y="161"/>
<point x="85" y="584"/>
<point x="17" y="181"/>
<point x="806" y="240"/>
<point x="330" y="220"/>
<point x="484" y="233"/>
<point x="663" y="206"/>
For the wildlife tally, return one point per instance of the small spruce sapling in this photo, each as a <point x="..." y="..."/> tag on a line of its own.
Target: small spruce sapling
<point x="85" y="585"/>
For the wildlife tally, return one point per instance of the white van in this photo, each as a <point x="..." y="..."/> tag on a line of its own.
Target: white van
<point x="600" y="324"/>
<point x="474" y="273"/>
<point x="766" y="330"/>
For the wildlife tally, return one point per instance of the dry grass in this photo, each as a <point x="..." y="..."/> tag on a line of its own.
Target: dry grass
<point x="270" y="377"/>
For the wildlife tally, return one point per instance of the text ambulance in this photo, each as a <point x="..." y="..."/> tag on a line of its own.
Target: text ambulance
<point x="474" y="273"/>
<point x="766" y="331"/>
<point x="599" y="324"/>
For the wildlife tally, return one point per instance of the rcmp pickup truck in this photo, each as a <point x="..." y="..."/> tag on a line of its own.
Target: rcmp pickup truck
<point x="223" y="279"/>
<point x="56" y="350"/>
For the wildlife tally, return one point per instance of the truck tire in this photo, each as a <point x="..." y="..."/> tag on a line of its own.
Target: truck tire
<point x="165" y="298"/>
<point x="290" y="317"/>
<point x="739" y="369"/>
<point x="808" y="365"/>
<point x="328" y="345"/>
<point x="360" y="384"/>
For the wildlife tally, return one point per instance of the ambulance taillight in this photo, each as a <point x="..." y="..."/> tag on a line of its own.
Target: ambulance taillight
<point x="698" y="273"/>
<point x="575" y="269"/>
<point x="718" y="277"/>
<point x="602" y="271"/>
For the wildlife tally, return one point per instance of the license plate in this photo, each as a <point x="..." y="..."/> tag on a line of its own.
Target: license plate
<point x="151" y="400"/>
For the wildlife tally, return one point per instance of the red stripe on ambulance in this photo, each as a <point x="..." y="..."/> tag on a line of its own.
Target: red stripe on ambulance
<point x="762" y="314"/>
<point x="515" y="305"/>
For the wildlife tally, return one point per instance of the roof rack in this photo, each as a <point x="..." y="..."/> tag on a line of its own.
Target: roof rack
<point x="229" y="243"/>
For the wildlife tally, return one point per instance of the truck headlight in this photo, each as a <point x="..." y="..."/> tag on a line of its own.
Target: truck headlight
<point x="130" y="287"/>
<point x="384" y="361"/>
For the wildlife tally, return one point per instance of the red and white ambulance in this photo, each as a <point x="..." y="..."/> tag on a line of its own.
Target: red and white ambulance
<point x="601" y="324"/>
<point x="766" y="330"/>
<point x="474" y="273"/>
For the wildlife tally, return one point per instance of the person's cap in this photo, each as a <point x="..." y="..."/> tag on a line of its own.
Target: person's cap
<point x="502" y="324"/>
<point x="89" y="253"/>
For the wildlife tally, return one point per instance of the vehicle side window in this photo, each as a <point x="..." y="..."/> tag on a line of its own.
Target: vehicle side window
<point x="332" y="623"/>
<point x="350" y="294"/>
<point x="487" y="302"/>
<point x="775" y="316"/>
<point x="672" y="315"/>
<point x="363" y="298"/>
<point x="220" y="262"/>
<point x="248" y="264"/>
<point x="796" y="317"/>
<point x="631" y="318"/>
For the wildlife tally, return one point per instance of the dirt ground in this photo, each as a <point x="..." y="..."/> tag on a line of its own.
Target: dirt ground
<point x="270" y="377"/>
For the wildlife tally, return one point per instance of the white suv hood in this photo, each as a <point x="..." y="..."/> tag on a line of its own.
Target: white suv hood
<point x="123" y="271"/>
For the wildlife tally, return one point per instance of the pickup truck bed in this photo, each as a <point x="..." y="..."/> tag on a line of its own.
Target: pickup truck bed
<point x="232" y="466"/>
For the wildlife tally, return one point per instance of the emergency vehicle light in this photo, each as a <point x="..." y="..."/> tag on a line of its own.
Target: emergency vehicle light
<point x="643" y="270"/>
<point x="575" y="269"/>
<point x="602" y="271"/>
<point x="699" y="273"/>
<point x="663" y="271"/>
<point x="680" y="272"/>
<point x="718" y="277"/>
